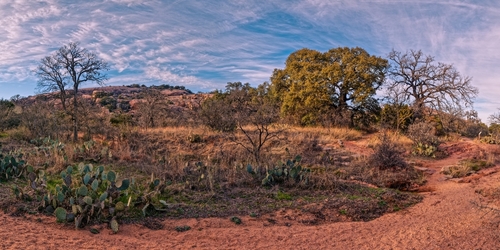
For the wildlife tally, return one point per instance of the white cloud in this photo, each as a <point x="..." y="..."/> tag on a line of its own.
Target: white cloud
<point x="209" y="43"/>
<point x="168" y="77"/>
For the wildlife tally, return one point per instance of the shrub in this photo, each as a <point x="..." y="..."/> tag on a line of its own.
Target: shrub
<point x="217" y="115"/>
<point x="423" y="132"/>
<point x="109" y="102"/>
<point x="195" y="138"/>
<point x="473" y="130"/>
<point x="424" y="138"/>
<point x="388" y="155"/>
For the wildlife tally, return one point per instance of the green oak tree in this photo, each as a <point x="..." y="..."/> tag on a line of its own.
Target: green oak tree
<point x="338" y="85"/>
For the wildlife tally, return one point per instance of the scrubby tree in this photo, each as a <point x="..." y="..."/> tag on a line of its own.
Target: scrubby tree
<point x="427" y="85"/>
<point x="70" y="67"/>
<point x="494" y="118"/>
<point x="246" y="110"/>
<point x="396" y="116"/>
<point x="152" y="109"/>
<point x="473" y="126"/>
<point x="6" y="111"/>
<point x="340" y="82"/>
<point x="217" y="114"/>
<point x="42" y="120"/>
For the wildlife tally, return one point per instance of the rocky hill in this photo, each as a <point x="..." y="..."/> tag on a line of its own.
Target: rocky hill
<point x="126" y="98"/>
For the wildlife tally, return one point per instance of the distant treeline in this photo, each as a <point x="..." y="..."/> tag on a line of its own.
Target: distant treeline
<point x="160" y="87"/>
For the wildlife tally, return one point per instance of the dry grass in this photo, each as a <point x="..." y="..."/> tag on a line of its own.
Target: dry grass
<point x="395" y="137"/>
<point x="468" y="167"/>
<point x="208" y="176"/>
<point x="329" y="134"/>
<point x="171" y="154"/>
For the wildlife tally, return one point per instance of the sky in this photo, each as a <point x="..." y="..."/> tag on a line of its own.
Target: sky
<point x="205" y="44"/>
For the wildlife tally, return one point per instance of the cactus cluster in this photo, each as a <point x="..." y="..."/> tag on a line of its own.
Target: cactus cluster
<point x="47" y="145"/>
<point x="422" y="149"/>
<point x="148" y="198"/>
<point x="11" y="167"/>
<point x="86" y="193"/>
<point x="291" y="170"/>
<point x="91" y="151"/>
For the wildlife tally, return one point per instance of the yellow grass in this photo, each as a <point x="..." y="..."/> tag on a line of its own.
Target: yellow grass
<point x="395" y="137"/>
<point x="330" y="133"/>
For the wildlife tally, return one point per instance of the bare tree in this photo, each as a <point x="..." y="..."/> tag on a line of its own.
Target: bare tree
<point x="396" y="112"/>
<point x="494" y="118"/>
<point x="257" y="121"/>
<point x="153" y="108"/>
<point x="246" y="110"/>
<point x="70" y="66"/>
<point x="427" y="85"/>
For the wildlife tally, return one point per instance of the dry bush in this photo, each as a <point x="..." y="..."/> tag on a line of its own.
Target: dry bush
<point x="458" y="171"/>
<point x="20" y="133"/>
<point x="386" y="167"/>
<point x="47" y="153"/>
<point x="480" y="160"/>
<point x="43" y="120"/>
<point x="400" y="139"/>
<point x="403" y="179"/>
<point x="94" y="121"/>
<point x="424" y="133"/>
<point x="388" y="155"/>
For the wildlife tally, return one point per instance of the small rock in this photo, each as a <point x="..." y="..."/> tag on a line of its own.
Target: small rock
<point x="445" y="178"/>
<point x="458" y="180"/>
<point x="421" y="169"/>
<point x="445" y="170"/>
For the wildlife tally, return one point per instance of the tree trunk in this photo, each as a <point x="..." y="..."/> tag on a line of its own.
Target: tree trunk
<point x="75" y="121"/>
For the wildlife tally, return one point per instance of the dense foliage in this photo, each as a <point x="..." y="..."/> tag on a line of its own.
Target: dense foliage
<point x="337" y="86"/>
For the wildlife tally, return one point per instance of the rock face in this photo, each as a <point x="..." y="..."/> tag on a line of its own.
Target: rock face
<point x="129" y="96"/>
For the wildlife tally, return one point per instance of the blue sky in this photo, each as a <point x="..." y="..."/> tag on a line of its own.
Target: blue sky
<point x="204" y="44"/>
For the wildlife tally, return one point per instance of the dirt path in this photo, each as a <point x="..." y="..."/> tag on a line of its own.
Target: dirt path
<point x="446" y="219"/>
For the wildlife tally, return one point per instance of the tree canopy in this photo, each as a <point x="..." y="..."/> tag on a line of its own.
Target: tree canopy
<point x="70" y="66"/>
<point x="427" y="85"/>
<point x="338" y="85"/>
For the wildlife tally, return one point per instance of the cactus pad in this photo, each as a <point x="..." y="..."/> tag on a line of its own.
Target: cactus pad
<point x="82" y="190"/>
<point x="88" y="200"/>
<point x="125" y="184"/>
<point x="60" y="214"/>
<point x="111" y="176"/>
<point x="95" y="185"/>
<point x="114" y="225"/>
<point x="119" y="206"/>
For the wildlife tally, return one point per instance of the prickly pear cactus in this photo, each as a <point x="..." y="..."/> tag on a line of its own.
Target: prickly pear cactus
<point x="291" y="170"/>
<point x="89" y="195"/>
<point x="60" y="214"/>
<point x="114" y="225"/>
<point x="119" y="206"/>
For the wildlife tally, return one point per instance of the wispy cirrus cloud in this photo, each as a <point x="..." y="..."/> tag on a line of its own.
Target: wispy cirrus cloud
<point x="204" y="44"/>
